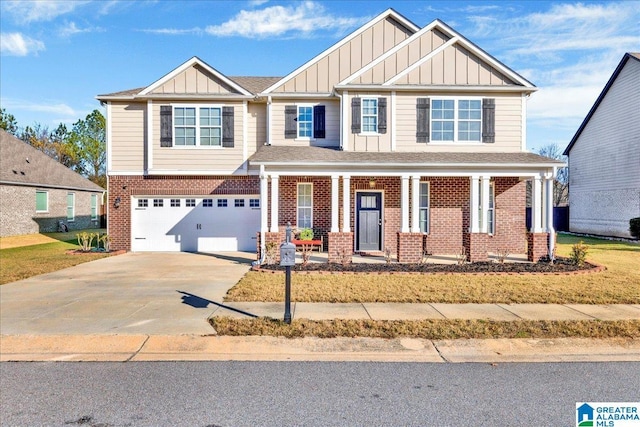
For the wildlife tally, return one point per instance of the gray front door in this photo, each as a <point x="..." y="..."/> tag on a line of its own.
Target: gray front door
<point x="369" y="221"/>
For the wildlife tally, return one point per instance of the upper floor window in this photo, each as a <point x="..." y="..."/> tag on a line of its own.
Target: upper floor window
<point x="449" y="119"/>
<point x="305" y="122"/>
<point x="196" y="126"/>
<point x="370" y="115"/>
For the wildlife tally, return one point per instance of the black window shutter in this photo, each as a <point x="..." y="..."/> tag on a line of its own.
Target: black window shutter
<point x="227" y="126"/>
<point x="290" y="125"/>
<point x="318" y="121"/>
<point x="166" y="126"/>
<point x="489" y="120"/>
<point x="423" y="117"/>
<point x="355" y="115"/>
<point x="382" y="115"/>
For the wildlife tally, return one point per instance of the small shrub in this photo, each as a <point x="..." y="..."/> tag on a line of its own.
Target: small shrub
<point x="425" y="256"/>
<point x="461" y="256"/>
<point x="306" y="234"/>
<point x="85" y="240"/>
<point x="344" y="257"/>
<point x="387" y="255"/>
<point x="105" y="240"/>
<point x="579" y="253"/>
<point x="502" y="255"/>
<point x="306" y="253"/>
<point x="634" y="227"/>
<point x="270" y="252"/>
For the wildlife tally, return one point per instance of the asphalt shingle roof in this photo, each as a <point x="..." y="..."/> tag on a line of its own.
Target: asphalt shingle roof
<point x="22" y="164"/>
<point x="322" y="156"/>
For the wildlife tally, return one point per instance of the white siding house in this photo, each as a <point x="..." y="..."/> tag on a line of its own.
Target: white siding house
<point x="604" y="157"/>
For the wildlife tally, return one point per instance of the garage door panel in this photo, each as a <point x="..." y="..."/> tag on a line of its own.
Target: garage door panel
<point x="206" y="227"/>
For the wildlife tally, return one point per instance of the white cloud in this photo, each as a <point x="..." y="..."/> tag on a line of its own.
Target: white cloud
<point x="255" y="3"/>
<point x="17" y="44"/>
<point x="71" y="29"/>
<point x="26" y="11"/>
<point x="304" y="18"/>
<point x="173" y="31"/>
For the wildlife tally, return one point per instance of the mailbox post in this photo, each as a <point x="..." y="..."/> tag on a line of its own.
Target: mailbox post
<point x="287" y="260"/>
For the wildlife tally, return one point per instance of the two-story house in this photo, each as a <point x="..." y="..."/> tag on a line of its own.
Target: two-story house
<point x="395" y="138"/>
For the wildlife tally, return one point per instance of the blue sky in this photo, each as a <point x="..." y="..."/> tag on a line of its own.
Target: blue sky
<point x="56" y="56"/>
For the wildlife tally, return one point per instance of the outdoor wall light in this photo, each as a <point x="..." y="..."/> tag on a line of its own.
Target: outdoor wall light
<point x="116" y="202"/>
<point x="372" y="183"/>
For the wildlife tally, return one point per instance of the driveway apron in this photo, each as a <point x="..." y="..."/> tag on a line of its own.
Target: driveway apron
<point x="133" y="293"/>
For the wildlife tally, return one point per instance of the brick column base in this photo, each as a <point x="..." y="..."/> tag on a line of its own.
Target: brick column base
<point x="340" y="247"/>
<point x="475" y="245"/>
<point x="269" y="237"/>
<point x="409" y="247"/>
<point x="537" y="246"/>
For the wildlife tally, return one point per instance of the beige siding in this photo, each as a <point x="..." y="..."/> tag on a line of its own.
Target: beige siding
<point x="128" y="136"/>
<point x="370" y="142"/>
<point x="194" y="80"/>
<point x="332" y="123"/>
<point x="198" y="158"/>
<point x="328" y="71"/>
<point x="256" y="126"/>
<point x="604" y="163"/>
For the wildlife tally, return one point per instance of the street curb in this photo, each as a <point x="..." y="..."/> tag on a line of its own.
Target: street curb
<point x="125" y="348"/>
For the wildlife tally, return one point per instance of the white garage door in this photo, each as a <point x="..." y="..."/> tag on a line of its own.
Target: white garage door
<point x="195" y="224"/>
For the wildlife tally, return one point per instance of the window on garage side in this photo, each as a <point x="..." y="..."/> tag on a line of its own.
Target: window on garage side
<point x="175" y="203"/>
<point x="222" y="203"/>
<point x="238" y="203"/>
<point x="71" y="207"/>
<point x="190" y="203"/>
<point x="42" y="201"/>
<point x="254" y="203"/>
<point x="207" y="203"/>
<point x="94" y="207"/>
<point x="143" y="203"/>
<point x="305" y="205"/>
<point x="158" y="203"/>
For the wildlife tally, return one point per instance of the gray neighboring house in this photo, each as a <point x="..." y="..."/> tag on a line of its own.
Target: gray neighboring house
<point x="604" y="157"/>
<point x="37" y="192"/>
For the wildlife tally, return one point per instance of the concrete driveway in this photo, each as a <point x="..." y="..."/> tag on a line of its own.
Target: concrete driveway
<point x="133" y="293"/>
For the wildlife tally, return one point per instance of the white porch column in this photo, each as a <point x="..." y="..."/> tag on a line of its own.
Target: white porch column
<point x="536" y="205"/>
<point x="549" y="203"/>
<point x="264" y="198"/>
<point x="335" y="204"/>
<point x="474" y="203"/>
<point x="346" y="204"/>
<point x="484" y="203"/>
<point x="415" y="204"/>
<point x="404" y="204"/>
<point x="275" y="201"/>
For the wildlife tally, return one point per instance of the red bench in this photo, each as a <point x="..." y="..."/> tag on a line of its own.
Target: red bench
<point x="313" y="243"/>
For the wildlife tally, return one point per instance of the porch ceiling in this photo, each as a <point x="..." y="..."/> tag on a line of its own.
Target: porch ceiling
<point x="317" y="156"/>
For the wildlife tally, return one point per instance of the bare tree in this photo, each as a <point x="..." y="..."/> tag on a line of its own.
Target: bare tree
<point x="561" y="183"/>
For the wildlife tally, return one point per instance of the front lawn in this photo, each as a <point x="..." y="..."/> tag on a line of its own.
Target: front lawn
<point x="619" y="284"/>
<point x="26" y="261"/>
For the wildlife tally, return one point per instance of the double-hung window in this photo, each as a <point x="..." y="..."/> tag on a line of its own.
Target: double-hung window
<point x="305" y="122"/>
<point x="71" y="206"/>
<point x="456" y="120"/>
<point x="424" y="207"/>
<point x="42" y="201"/>
<point x="369" y="115"/>
<point x="305" y="205"/>
<point x="197" y="126"/>
<point x="491" y="214"/>
<point x="94" y="207"/>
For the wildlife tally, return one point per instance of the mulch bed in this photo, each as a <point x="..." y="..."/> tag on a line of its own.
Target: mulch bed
<point x="561" y="265"/>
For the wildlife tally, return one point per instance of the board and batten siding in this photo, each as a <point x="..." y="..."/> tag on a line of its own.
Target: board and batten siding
<point x="332" y="123"/>
<point x="194" y="80"/>
<point x="328" y="71"/>
<point x="198" y="159"/>
<point x="256" y="126"/>
<point x="604" y="163"/>
<point x="128" y="136"/>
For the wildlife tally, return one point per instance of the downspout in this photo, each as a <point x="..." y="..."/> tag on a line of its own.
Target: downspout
<point x="339" y="95"/>
<point x="263" y="246"/>
<point x="550" y="225"/>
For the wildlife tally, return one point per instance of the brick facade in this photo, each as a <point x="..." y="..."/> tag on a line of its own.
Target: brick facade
<point x="537" y="246"/>
<point x="127" y="186"/>
<point x="18" y="210"/>
<point x="476" y="246"/>
<point x="340" y="247"/>
<point x="409" y="247"/>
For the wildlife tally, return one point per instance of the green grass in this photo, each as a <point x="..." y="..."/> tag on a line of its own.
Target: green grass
<point x="27" y="261"/>
<point x="619" y="284"/>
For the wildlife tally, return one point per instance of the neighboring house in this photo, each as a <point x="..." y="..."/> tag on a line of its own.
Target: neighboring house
<point x="395" y="139"/>
<point x="37" y="192"/>
<point x="604" y="157"/>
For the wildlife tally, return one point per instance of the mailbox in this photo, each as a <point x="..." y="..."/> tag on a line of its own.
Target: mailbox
<point x="287" y="254"/>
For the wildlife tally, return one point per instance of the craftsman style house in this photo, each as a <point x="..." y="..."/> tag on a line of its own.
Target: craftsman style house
<point x="395" y="139"/>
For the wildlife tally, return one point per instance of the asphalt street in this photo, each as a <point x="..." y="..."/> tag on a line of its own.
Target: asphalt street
<point x="307" y="393"/>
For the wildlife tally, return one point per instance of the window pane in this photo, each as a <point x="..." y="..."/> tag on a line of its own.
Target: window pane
<point x="70" y="206"/>
<point x="41" y="201"/>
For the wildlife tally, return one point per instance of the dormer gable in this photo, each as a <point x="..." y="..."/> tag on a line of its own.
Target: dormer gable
<point x="194" y="77"/>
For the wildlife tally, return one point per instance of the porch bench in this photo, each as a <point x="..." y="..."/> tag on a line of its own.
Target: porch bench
<point x="313" y="243"/>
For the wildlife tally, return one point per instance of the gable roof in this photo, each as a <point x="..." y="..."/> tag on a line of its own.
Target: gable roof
<point x="627" y="56"/>
<point x="21" y="164"/>
<point x="389" y="13"/>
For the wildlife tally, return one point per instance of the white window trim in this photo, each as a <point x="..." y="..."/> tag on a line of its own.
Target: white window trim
<point x="73" y="207"/>
<point x="428" y="208"/>
<point x="197" y="126"/>
<point x="305" y="207"/>
<point x="304" y="138"/>
<point x="47" y="200"/>
<point x="362" y="115"/>
<point x="455" y="119"/>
